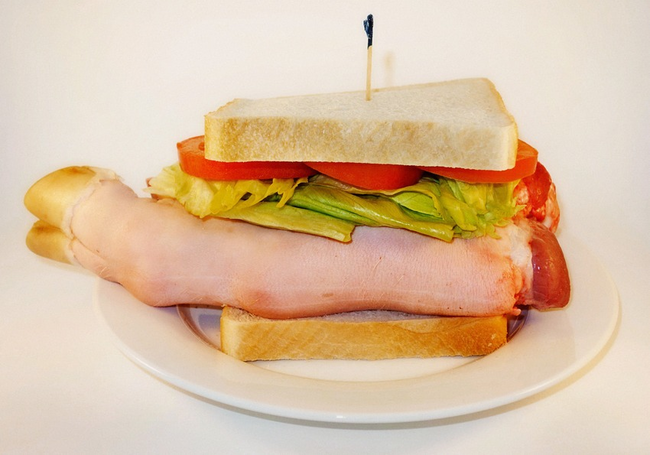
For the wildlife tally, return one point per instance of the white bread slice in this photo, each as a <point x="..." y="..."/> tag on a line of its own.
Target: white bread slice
<point x="367" y="335"/>
<point x="460" y="123"/>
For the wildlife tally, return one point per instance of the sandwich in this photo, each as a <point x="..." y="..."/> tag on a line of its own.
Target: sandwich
<point x="415" y="224"/>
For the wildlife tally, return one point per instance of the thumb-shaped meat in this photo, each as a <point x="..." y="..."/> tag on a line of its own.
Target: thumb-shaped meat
<point x="165" y="256"/>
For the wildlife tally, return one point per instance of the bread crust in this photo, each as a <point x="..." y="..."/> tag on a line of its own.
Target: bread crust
<point x="366" y="335"/>
<point x="462" y="123"/>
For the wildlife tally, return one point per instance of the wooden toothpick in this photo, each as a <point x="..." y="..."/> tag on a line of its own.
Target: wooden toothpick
<point x="368" y="25"/>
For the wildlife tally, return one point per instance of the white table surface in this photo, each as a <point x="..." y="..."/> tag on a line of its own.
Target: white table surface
<point x="116" y="84"/>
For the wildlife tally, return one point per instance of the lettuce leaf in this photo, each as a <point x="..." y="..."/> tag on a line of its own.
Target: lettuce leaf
<point x="213" y="197"/>
<point x="247" y="200"/>
<point x="435" y="206"/>
<point x="290" y="218"/>
<point x="468" y="210"/>
<point x="365" y="210"/>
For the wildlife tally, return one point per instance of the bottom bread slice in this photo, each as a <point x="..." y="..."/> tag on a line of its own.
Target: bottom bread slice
<point x="362" y="335"/>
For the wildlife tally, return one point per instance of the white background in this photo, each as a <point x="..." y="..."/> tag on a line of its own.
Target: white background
<point x="116" y="84"/>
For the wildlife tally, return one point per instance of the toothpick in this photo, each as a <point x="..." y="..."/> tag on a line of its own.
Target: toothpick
<point x="368" y="25"/>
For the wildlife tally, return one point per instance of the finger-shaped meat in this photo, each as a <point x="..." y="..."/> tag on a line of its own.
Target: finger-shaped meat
<point x="165" y="256"/>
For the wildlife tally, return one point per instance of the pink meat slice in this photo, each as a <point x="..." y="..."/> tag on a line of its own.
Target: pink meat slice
<point x="165" y="256"/>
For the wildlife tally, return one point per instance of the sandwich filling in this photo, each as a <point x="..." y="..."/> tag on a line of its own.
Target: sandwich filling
<point x="435" y="206"/>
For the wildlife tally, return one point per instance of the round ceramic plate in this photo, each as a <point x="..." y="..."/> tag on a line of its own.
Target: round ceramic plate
<point x="549" y="348"/>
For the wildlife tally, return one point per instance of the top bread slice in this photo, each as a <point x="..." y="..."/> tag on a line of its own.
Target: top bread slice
<point x="461" y="123"/>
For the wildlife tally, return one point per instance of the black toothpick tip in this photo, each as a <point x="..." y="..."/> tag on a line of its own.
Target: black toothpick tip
<point x="368" y="25"/>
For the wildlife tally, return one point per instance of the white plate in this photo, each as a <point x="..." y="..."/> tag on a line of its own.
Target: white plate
<point x="551" y="347"/>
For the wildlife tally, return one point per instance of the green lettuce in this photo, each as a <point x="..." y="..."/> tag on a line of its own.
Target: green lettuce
<point x="261" y="202"/>
<point x="435" y="206"/>
<point x="214" y="197"/>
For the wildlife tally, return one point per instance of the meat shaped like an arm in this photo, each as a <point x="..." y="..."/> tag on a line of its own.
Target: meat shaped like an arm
<point x="165" y="256"/>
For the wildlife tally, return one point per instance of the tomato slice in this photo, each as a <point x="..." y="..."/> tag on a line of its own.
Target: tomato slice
<point x="191" y="155"/>
<point x="524" y="166"/>
<point x="370" y="176"/>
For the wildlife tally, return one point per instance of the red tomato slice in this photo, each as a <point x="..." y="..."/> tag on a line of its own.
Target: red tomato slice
<point x="370" y="176"/>
<point x="524" y="166"/>
<point x="191" y="155"/>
